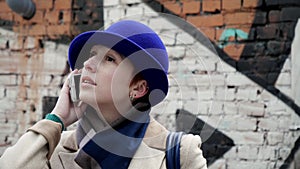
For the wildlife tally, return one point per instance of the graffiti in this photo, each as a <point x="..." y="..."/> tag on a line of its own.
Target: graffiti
<point x="259" y="47"/>
<point x="237" y="34"/>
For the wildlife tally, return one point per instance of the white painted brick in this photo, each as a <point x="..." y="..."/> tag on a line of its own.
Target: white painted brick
<point x="3" y="41"/>
<point x="15" y="43"/>
<point x="205" y="93"/>
<point x="2" y="92"/>
<point x="184" y="38"/>
<point x="114" y="14"/>
<point x="237" y="79"/>
<point x="284" y="123"/>
<point x="107" y="3"/>
<point x="231" y="154"/>
<point x="196" y="107"/>
<point x="267" y="153"/>
<point x="12" y="92"/>
<point x="274" y="106"/>
<point x="216" y="108"/>
<point x="130" y="1"/>
<point x="234" y="164"/>
<point x="205" y="80"/>
<point x="290" y="138"/>
<point x="246" y="124"/>
<point x="168" y="37"/>
<point x="287" y="90"/>
<point x="46" y="79"/>
<point x="177" y="93"/>
<point x="7" y="104"/>
<point x="252" y="109"/>
<point x="227" y="123"/>
<point x="148" y="11"/>
<point x="224" y="94"/>
<point x="175" y="51"/>
<point x="230" y="108"/>
<point x="218" y="164"/>
<point x="274" y="138"/>
<point x="246" y="138"/>
<point x="187" y="93"/>
<point x="8" y="80"/>
<point x="55" y="60"/>
<point x="134" y="11"/>
<point x="283" y="79"/>
<point x="56" y="81"/>
<point x="207" y="63"/>
<point x="284" y="152"/>
<point x="247" y="93"/>
<point x="30" y="43"/>
<point x="161" y="23"/>
<point x="225" y="67"/>
<point x="248" y="152"/>
<point x="8" y="128"/>
<point x="269" y="124"/>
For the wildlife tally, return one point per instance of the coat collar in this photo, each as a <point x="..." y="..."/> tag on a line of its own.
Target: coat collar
<point x="155" y="137"/>
<point x="149" y="153"/>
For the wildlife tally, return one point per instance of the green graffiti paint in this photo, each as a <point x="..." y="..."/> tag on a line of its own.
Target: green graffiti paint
<point x="231" y="32"/>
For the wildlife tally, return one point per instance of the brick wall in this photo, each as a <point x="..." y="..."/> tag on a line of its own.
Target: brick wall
<point x="260" y="128"/>
<point x="33" y="56"/>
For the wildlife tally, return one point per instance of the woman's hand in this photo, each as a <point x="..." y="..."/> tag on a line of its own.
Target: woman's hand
<point x="68" y="111"/>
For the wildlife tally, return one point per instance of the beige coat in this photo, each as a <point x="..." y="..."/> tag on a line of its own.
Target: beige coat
<point x="43" y="146"/>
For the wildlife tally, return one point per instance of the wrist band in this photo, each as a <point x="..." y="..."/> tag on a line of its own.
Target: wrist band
<point x="55" y="118"/>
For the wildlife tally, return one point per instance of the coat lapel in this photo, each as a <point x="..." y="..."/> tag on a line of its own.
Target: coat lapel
<point x="67" y="160"/>
<point x="151" y="153"/>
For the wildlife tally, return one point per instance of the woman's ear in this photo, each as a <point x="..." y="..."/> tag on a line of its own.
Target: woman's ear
<point x="138" y="89"/>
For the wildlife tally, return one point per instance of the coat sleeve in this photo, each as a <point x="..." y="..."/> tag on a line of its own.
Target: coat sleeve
<point x="34" y="148"/>
<point x="191" y="156"/>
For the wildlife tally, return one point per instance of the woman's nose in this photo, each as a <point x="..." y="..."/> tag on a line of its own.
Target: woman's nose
<point x="90" y="65"/>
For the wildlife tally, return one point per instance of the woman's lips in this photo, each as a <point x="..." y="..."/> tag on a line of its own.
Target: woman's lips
<point x="88" y="80"/>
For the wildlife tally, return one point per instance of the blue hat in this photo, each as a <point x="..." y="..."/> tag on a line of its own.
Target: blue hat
<point x="135" y="41"/>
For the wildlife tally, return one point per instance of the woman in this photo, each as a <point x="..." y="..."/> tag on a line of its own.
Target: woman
<point x="123" y="74"/>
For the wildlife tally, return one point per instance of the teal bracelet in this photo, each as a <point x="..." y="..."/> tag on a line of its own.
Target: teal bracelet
<point x="55" y="118"/>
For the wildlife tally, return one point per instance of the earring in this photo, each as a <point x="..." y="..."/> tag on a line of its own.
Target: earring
<point x="131" y="97"/>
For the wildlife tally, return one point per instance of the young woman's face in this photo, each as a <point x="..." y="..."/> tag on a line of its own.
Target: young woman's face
<point x="105" y="79"/>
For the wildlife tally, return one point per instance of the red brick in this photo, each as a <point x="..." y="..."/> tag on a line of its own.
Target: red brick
<point x="239" y="18"/>
<point x="173" y="7"/>
<point x="4" y="6"/>
<point x="209" y="32"/>
<point x="6" y="16"/>
<point x="36" y="30"/>
<point x="192" y="7"/>
<point x="22" y="30"/>
<point x="206" y="20"/>
<point x="229" y="5"/>
<point x="63" y="4"/>
<point x="38" y="17"/>
<point x="211" y="5"/>
<point x="67" y="16"/>
<point x="43" y="4"/>
<point x="252" y="3"/>
<point x="234" y="50"/>
<point x="58" y="30"/>
<point x="52" y="16"/>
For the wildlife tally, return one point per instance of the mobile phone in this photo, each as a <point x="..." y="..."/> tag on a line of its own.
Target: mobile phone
<point x="74" y="83"/>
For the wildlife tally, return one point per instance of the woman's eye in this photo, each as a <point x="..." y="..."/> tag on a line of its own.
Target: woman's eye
<point x="109" y="58"/>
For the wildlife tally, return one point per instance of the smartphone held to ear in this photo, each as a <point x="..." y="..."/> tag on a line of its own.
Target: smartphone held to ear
<point x="74" y="83"/>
